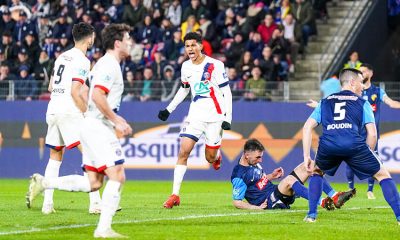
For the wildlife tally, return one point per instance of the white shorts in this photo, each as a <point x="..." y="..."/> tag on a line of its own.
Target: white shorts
<point x="211" y="130"/>
<point x="63" y="130"/>
<point x="100" y="146"/>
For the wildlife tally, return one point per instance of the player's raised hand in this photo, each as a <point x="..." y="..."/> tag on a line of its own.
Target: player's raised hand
<point x="312" y="103"/>
<point x="309" y="164"/>
<point x="122" y="126"/>
<point x="277" y="173"/>
<point x="163" y="115"/>
<point x="225" y="125"/>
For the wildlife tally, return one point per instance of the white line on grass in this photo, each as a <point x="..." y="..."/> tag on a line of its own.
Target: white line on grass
<point x="32" y="230"/>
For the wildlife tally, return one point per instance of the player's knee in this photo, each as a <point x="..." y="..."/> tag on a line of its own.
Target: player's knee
<point x="184" y="154"/>
<point x="95" y="185"/>
<point x="289" y="181"/>
<point x="382" y="174"/>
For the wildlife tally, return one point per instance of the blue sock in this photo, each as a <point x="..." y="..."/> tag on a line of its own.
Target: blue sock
<point x="371" y="182"/>
<point x="350" y="176"/>
<point x="391" y="195"/>
<point x="300" y="190"/>
<point x="327" y="188"/>
<point x="314" y="194"/>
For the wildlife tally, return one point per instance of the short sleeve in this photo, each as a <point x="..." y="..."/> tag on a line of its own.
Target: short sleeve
<point x="368" y="114"/>
<point x="239" y="189"/>
<point x="220" y="75"/>
<point x="316" y="114"/>
<point x="80" y="72"/>
<point x="104" y="79"/>
<point x="382" y="94"/>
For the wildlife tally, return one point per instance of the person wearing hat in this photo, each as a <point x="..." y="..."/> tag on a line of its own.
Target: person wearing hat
<point x="169" y="84"/>
<point x="42" y="71"/>
<point x="43" y="26"/>
<point x="9" y="48"/>
<point x="174" y="48"/>
<point x="25" y="86"/>
<point x="22" y="59"/>
<point x="49" y="44"/>
<point x="32" y="47"/>
<point x="62" y="26"/>
<point x="64" y="42"/>
<point x="5" y="78"/>
<point x="6" y="23"/>
<point x="22" y="27"/>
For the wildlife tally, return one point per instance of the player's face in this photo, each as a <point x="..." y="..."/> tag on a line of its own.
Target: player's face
<point x="366" y="73"/>
<point x="358" y="85"/>
<point x="91" y="40"/>
<point x="193" y="49"/>
<point x="126" y="45"/>
<point x="253" y="157"/>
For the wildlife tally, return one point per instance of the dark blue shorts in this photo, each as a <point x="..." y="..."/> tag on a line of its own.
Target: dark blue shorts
<point x="363" y="161"/>
<point x="277" y="200"/>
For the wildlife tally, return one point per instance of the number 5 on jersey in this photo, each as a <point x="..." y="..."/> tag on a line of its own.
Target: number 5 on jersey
<point x="340" y="111"/>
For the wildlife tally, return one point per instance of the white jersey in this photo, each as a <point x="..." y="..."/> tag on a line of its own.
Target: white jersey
<point x="106" y="75"/>
<point x="71" y="65"/>
<point x="205" y="81"/>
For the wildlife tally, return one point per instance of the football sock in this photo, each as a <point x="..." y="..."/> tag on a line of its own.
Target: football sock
<point x="94" y="197"/>
<point x="300" y="190"/>
<point x="109" y="204"/>
<point x="371" y="182"/>
<point x="71" y="183"/>
<point x="52" y="171"/>
<point x="391" y="195"/>
<point x="314" y="194"/>
<point x="327" y="188"/>
<point x="350" y="177"/>
<point x="179" y="172"/>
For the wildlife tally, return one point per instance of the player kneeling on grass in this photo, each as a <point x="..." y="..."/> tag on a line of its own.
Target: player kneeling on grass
<point x="252" y="184"/>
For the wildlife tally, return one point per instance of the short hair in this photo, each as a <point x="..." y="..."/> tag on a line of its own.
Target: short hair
<point x="347" y="74"/>
<point x="113" y="32"/>
<point x="253" y="145"/>
<point x="367" y="65"/>
<point x="81" y="31"/>
<point x="193" y="36"/>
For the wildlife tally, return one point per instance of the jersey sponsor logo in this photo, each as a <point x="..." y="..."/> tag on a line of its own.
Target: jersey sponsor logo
<point x="82" y="72"/>
<point x="339" y="126"/>
<point x="58" y="90"/>
<point x="201" y="88"/>
<point x="373" y="107"/>
<point x="262" y="182"/>
<point x="343" y="97"/>
<point x="374" y="97"/>
<point x="107" y="78"/>
<point x="389" y="150"/>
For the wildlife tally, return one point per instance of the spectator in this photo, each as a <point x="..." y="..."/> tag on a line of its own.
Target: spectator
<point x="280" y="46"/>
<point x="255" y="13"/>
<point x="285" y="9"/>
<point x="129" y="87"/>
<point x="64" y="43"/>
<point x="136" y="52"/>
<point x="40" y="8"/>
<point x="43" y="26"/>
<point x="267" y="28"/>
<point x="234" y="50"/>
<point x="267" y="65"/>
<point x="166" y="31"/>
<point x="255" y="45"/>
<point x="195" y="9"/>
<point x="25" y="86"/>
<point x="157" y="66"/>
<point x="116" y="10"/>
<point x="243" y="25"/>
<point x="169" y="84"/>
<point x="31" y="46"/>
<point x="147" y="33"/>
<point x="190" y="25"/>
<point x="22" y="59"/>
<point x="157" y="13"/>
<point x="174" y="13"/>
<point x="49" y="45"/>
<point x="244" y="66"/>
<point x="353" y="61"/>
<point x="330" y="86"/>
<point x="42" y="71"/>
<point x="209" y="32"/>
<point x="207" y="48"/>
<point x="149" y="87"/>
<point x="174" y="48"/>
<point x="289" y="25"/>
<point x="8" y="46"/>
<point x="305" y="21"/>
<point x="255" y="86"/>
<point x="5" y="77"/>
<point x="6" y="23"/>
<point x="128" y="65"/>
<point x="61" y="26"/>
<point x="236" y="83"/>
<point x="134" y="13"/>
<point x="22" y="27"/>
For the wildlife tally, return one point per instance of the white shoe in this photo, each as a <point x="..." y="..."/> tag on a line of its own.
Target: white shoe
<point x="48" y="209"/>
<point x="371" y="195"/>
<point x="35" y="188"/>
<point x="109" y="233"/>
<point x="308" y="219"/>
<point x="95" y="208"/>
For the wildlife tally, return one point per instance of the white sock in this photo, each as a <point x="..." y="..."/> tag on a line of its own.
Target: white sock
<point x="52" y="171"/>
<point x="109" y="204"/>
<point x="71" y="183"/>
<point x="179" y="172"/>
<point x="94" y="197"/>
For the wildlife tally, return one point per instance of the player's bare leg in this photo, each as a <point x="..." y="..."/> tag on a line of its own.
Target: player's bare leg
<point x="187" y="145"/>
<point x="214" y="157"/>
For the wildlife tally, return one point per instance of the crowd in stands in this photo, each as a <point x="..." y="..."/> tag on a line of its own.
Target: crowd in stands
<point x="257" y="40"/>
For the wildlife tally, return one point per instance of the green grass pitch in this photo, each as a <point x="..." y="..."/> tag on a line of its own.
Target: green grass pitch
<point x="206" y="212"/>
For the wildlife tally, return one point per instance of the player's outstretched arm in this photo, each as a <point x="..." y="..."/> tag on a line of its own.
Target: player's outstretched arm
<point x="179" y="97"/>
<point x="312" y="103"/>
<point x="245" y="205"/>
<point x="390" y="102"/>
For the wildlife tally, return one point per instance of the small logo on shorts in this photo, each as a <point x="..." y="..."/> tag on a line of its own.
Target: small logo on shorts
<point x="118" y="152"/>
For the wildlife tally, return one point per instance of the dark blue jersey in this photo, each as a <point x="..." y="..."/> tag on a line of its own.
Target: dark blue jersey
<point x="374" y="95"/>
<point x="251" y="183"/>
<point x="343" y="117"/>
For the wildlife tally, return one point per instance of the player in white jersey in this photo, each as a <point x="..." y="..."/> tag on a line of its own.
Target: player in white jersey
<point x="65" y="110"/>
<point x="210" y="110"/>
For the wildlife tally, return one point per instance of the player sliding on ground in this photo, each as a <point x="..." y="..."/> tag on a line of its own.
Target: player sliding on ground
<point x="250" y="183"/>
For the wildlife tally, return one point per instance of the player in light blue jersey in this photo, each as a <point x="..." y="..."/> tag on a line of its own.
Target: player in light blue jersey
<point x="344" y="116"/>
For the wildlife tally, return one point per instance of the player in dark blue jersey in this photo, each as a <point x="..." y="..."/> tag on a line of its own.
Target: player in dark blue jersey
<point x="375" y="96"/>
<point x="250" y="183"/>
<point x="343" y="117"/>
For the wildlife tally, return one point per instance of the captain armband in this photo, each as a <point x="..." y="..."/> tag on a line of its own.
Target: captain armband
<point x="185" y="85"/>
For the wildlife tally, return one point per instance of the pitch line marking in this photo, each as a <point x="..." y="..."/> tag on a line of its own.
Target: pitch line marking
<point x="33" y="230"/>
